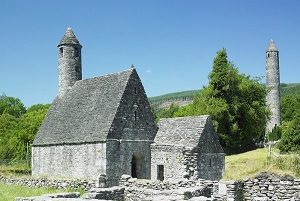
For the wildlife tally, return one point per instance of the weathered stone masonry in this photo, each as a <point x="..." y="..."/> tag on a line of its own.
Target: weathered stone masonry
<point x="186" y="147"/>
<point x="273" y="85"/>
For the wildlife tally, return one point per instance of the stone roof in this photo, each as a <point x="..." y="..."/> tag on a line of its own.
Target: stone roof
<point x="272" y="46"/>
<point x="86" y="112"/>
<point x="69" y="38"/>
<point x="182" y="131"/>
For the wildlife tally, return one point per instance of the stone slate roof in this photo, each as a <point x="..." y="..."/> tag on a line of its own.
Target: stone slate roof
<point x="69" y="38"/>
<point x="272" y="46"/>
<point x="86" y="112"/>
<point x="181" y="131"/>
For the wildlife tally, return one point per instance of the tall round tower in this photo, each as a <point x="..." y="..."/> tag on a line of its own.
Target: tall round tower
<point x="69" y="62"/>
<point x="273" y="85"/>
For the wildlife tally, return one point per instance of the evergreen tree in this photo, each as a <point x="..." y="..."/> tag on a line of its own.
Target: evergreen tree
<point x="237" y="104"/>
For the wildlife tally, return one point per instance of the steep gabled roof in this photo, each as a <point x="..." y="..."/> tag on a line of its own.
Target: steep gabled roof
<point x="86" y="112"/>
<point x="193" y="132"/>
<point x="182" y="131"/>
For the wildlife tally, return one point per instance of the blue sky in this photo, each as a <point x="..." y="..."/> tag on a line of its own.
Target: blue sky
<point x="172" y="43"/>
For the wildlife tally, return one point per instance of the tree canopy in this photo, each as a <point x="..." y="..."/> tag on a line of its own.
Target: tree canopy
<point x="236" y="102"/>
<point x="18" y="128"/>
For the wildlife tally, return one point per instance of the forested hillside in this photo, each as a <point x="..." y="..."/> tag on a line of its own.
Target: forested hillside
<point x="158" y="102"/>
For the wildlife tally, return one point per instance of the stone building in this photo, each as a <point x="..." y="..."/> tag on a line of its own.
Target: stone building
<point x="186" y="147"/>
<point x="103" y="127"/>
<point x="97" y="126"/>
<point x="273" y="85"/>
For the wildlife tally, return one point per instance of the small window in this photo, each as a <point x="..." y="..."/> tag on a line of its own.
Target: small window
<point x="135" y="115"/>
<point x="61" y="52"/>
<point x="160" y="172"/>
<point x="210" y="162"/>
<point x="76" y="52"/>
<point x="268" y="55"/>
<point x="135" y="90"/>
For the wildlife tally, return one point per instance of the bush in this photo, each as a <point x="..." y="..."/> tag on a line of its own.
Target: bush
<point x="275" y="134"/>
<point x="290" y="162"/>
<point x="290" y="140"/>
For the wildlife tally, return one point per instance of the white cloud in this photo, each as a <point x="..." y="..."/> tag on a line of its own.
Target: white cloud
<point x="148" y="71"/>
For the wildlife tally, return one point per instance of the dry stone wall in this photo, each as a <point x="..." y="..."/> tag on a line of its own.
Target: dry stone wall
<point x="272" y="187"/>
<point x="42" y="182"/>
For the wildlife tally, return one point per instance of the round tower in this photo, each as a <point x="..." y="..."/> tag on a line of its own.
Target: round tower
<point x="273" y="85"/>
<point x="69" y="62"/>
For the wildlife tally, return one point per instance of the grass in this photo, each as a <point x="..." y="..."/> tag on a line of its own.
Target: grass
<point x="249" y="164"/>
<point x="19" y="170"/>
<point x="10" y="192"/>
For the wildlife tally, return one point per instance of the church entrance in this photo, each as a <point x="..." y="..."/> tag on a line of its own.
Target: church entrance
<point x="136" y="166"/>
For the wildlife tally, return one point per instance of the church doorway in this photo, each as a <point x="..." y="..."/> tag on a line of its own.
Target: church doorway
<point x="136" y="166"/>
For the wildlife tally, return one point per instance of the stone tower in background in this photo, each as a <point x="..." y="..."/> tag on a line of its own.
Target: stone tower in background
<point x="69" y="62"/>
<point x="273" y="85"/>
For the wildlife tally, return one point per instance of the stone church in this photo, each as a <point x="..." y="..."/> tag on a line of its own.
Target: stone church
<point x="104" y="126"/>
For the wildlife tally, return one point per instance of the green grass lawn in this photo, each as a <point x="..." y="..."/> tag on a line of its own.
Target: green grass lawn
<point x="249" y="164"/>
<point x="10" y="192"/>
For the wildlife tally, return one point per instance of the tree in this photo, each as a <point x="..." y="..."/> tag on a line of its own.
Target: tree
<point x="290" y="126"/>
<point x="38" y="107"/>
<point x="290" y="140"/>
<point x="167" y="113"/>
<point x="8" y="127"/>
<point x="12" y="106"/>
<point x="241" y="101"/>
<point x="17" y="133"/>
<point x="27" y="128"/>
<point x="236" y="102"/>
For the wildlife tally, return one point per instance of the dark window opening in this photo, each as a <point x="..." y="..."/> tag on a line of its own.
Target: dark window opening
<point x="61" y="52"/>
<point x="76" y="52"/>
<point x="268" y="55"/>
<point x="135" y="90"/>
<point x="160" y="172"/>
<point x="133" y="167"/>
<point x="210" y="162"/>
<point x="135" y="115"/>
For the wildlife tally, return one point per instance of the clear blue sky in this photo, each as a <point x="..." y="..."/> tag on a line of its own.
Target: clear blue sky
<point x="172" y="43"/>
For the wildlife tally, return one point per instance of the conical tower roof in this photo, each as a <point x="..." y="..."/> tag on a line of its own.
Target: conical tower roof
<point x="272" y="46"/>
<point x="69" y="38"/>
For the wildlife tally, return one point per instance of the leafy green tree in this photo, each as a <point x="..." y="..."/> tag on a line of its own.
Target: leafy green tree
<point x="290" y="140"/>
<point x="28" y="126"/>
<point x="12" y="106"/>
<point x="290" y="107"/>
<point x="8" y="127"/>
<point x="17" y="134"/>
<point x="236" y="102"/>
<point x="167" y="113"/>
<point x="38" y="107"/>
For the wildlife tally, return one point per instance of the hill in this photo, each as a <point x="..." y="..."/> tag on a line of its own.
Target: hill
<point x="251" y="163"/>
<point x="186" y="97"/>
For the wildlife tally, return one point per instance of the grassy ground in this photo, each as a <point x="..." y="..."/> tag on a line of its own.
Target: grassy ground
<point x="15" y="170"/>
<point x="10" y="192"/>
<point x="251" y="163"/>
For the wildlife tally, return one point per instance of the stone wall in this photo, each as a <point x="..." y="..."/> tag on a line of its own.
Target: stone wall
<point x="171" y="157"/>
<point x="53" y="183"/>
<point x="133" y="130"/>
<point x="210" y="165"/>
<point x="272" y="187"/>
<point x="81" y="161"/>
<point x="182" y="162"/>
<point x="123" y="155"/>
<point x="140" y="189"/>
